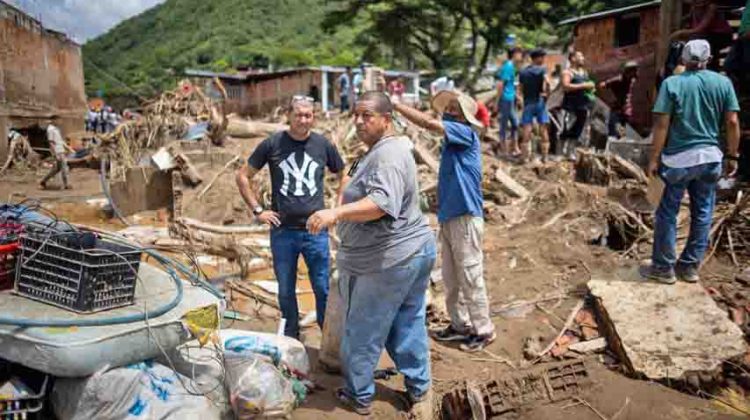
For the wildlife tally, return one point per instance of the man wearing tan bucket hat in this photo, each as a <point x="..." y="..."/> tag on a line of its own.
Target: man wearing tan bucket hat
<point x="461" y="218"/>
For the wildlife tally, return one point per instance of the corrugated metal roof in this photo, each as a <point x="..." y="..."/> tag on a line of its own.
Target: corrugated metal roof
<point x="205" y="73"/>
<point x="271" y="74"/>
<point x="610" y="12"/>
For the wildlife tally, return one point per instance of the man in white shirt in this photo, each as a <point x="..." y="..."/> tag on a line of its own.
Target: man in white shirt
<point x="57" y="148"/>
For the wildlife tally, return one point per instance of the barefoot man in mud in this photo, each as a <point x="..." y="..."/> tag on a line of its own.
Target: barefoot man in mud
<point x="461" y="218"/>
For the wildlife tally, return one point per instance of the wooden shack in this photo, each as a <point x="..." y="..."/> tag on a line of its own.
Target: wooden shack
<point x="41" y="76"/>
<point x="610" y="38"/>
<point x="257" y="92"/>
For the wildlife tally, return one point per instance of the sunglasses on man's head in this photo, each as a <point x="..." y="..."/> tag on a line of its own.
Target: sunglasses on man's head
<point x="302" y="98"/>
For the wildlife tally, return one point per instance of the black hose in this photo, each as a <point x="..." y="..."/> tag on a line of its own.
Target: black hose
<point x="105" y="190"/>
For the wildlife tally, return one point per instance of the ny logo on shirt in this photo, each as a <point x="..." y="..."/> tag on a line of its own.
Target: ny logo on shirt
<point x="301" y="175"/>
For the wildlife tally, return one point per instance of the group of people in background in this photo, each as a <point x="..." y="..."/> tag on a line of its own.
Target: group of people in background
<point x="104" y="120"/>
<point x="524" y="83"/>
<point x="350" y="85"/>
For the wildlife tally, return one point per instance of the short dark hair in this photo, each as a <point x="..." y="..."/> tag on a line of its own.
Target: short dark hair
<point x="383" y="104"/>
<point x="513" y="51"/>
<point x="537" y="52"/>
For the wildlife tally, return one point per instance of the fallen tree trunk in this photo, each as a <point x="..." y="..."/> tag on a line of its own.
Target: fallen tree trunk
<point x="229" y="230"/>
<point x="242" y="128"/>
<point x="509" y="185"/>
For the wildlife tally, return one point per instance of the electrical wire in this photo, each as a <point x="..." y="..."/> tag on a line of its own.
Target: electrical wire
<point x="171" y="266"/>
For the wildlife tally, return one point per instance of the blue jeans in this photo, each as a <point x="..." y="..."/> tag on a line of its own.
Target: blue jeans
<point x="344" y="102"/>
<point x="535" y="111"/>
<point x="508" y="116"/>
<point x="387" y="309"/>
<point x="286" y="245"/>
<point x="700" y="182"/>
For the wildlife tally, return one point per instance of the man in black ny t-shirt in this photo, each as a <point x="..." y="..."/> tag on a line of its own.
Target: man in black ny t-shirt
<point x="297" y="159"/>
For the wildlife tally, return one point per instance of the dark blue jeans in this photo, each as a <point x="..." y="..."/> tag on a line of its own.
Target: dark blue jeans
<point x="508" y="116"/>
<point x="286" y="246"/>
<point x="700" y="182"/>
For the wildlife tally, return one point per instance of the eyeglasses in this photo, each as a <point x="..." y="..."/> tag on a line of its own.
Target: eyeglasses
<point x="353" y="169"/>
<point x="302" y="98"/>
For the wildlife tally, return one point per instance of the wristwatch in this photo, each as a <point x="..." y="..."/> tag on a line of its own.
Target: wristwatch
<point x="258" y="210"/>
<point x="732" y="157"/>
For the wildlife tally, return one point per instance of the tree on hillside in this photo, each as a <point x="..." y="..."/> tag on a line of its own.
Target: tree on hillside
<point x="479" y="27"/>
<point x="406" y="27"/>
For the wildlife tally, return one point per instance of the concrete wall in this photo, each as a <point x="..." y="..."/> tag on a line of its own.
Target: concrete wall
<point x="41" y="75"/>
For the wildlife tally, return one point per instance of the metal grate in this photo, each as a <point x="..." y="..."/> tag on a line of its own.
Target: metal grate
<point x="504" y="397"/>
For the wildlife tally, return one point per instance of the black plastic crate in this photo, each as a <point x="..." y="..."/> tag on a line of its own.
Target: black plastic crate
<point x="55" y="270"/>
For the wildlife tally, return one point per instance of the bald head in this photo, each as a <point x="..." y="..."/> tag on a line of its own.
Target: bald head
<point x="380" y="101"/>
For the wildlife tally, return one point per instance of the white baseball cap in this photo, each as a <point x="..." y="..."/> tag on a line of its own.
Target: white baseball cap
<point x="696" y="51"/>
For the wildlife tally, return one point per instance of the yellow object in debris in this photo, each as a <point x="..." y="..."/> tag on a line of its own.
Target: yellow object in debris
<point x="203" y="323"/>
<point x="732" y="402"/>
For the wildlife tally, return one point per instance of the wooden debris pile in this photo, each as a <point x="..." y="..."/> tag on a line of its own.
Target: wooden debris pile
<point x="579" y="335"/>
<point x="20" y="154"/>
<point x="731" y="229"/>
<point x="164" y="120"/>
<point x="606" y="168"/>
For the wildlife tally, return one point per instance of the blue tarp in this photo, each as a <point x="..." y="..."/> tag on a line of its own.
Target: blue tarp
<point x="196" y="131"/>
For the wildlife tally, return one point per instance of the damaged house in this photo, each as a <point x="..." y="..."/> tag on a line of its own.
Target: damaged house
<point x="41" y="76"/>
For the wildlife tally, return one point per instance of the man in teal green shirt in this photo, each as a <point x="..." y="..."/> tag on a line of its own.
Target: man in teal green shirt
<point x="688" y="115"/>
<point x="745" y="22"/>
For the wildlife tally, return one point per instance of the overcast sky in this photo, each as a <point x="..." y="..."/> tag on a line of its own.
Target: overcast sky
<point x="83" y="19"/>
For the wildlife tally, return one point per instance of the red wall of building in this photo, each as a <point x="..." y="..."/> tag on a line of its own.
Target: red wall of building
<point x="595" y="38"/>
<point x="41" y="74"/>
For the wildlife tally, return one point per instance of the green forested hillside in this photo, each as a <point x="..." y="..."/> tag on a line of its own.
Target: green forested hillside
<point x="149" y="52"/>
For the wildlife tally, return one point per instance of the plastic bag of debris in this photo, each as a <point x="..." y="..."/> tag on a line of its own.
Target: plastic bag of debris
<point x="276" y="349"/>
<point x="204" y="367"/>
<point x="257" y="388"/>
<point x="145" y="390"/>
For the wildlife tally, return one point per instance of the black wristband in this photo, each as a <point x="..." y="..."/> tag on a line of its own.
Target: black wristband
<point x="734" y="158"/>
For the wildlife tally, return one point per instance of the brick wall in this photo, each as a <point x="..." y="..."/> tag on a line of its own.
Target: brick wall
<point x="596" y="39"/>
<point x="41" y="74"/>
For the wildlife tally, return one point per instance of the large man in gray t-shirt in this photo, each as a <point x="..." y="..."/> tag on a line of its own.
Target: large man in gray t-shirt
<point x="386" y="254"/>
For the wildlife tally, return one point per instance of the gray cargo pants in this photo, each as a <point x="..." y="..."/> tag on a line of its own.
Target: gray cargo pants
<point x="60" y="166"/>
<point x="465" y="291"/>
